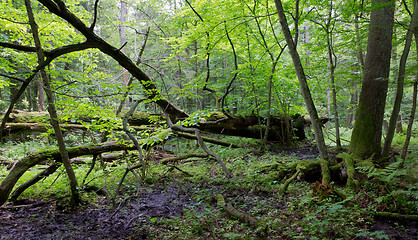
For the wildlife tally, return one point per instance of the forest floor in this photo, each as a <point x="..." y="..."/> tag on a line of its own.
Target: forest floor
<point x="173" y="208"/>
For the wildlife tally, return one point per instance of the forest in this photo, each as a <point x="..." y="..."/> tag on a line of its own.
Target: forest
<point x="198" y="119"/>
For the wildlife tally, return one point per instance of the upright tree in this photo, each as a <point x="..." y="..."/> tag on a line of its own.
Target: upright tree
<point x="75" y="195"/>
<point x="319" y="137"/>
<point x="400" y="85"/>
<point x="367" y="132"/>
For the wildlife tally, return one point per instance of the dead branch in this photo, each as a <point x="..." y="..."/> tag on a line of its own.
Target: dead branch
<point x="170" y="160"/>
<point x="241" y="216"/>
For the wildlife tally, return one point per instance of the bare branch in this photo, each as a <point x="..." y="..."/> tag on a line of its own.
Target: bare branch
<point x="11" y="77"/>
<point x="18" y="47"/>
<point x="96" y="3"/>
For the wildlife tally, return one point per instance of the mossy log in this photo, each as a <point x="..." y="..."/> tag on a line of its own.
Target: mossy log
<point x="240" y="215"/>
<point x="307" y="168"/>
<point x="242" y="126"/>
<point x="396" y="216"/>
<point x="309" y="171"/>
<point x="32" y="159"/>
<point x="25" y="128"/>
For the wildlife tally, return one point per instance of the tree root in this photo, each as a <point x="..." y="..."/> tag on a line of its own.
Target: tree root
<point x="285" y="185"/>
<point x="209" y="140"/>
<point x="349" y="161"/>
<point x="172" y="167"/>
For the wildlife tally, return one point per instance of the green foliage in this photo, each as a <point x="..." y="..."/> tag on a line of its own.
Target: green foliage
<point x="389" y="188"/>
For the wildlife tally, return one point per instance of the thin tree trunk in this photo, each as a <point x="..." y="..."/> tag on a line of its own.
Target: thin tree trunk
<point x="360" y="58"/>
<point x="75" y="195"/>
<point x="122" y="35"/>
<point x="332" y="65"/>
<point x="411" y="119"/>
<point x="414" y="98"/>
<point x="305" y="93"/>
<point x="400" y="85"/>
<point x="131" y="79"/>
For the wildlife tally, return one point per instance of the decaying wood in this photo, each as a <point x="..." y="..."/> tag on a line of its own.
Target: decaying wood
<point x="178" y="158"/>
<point x="201" y="143"/>
<point x="216" y="122"/>
<point x="240" y="215"/>
<point x="12" y="129"/>
<point x="33" y="159"/>
<point x="396" y="216"/>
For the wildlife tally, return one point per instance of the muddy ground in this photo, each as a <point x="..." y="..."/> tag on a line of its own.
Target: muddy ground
<point x="32" y="219"/>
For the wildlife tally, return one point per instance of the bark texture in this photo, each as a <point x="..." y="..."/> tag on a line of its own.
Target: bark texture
<point x="367" y="132"/>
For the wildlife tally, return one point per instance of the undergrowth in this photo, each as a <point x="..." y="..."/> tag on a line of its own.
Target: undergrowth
<point x="296" y="215"/>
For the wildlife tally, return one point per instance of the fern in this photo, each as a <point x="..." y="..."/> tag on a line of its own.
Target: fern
<point x="389" y="174"/>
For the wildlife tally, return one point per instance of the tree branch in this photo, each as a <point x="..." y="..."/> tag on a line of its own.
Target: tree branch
<point x="96" y="3"/>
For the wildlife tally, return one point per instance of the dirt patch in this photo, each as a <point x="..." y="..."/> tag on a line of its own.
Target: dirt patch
<point x="306" y="151"/>
<point x="42" y="220"/>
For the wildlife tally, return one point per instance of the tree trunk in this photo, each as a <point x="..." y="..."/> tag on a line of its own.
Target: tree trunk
<point x="367" y="132"/>
<point x="414" y="99"/>
<point x="75" y="195"/>
<point x="305" y="91"/>
<point x="400" y="85"/>
<point x="122" y="35"/>
<point x="332" y="62"/>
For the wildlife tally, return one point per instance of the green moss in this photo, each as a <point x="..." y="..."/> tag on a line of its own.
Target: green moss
<point x="215" y="116"/>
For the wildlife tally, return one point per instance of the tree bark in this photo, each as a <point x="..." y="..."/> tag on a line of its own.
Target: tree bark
<point x="367" y="132"/>
<point x="304" y="89"/>
<point x="400" y="85"/>
<point x="75" y="194"/>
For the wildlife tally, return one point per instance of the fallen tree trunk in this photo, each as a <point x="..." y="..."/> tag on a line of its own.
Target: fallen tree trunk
<point x="32" y="159"/>
<point x="21" y="122"/>
<point x="13" y="129"/>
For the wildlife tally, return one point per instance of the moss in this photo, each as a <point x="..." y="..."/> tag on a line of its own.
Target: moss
<point x="363" y="143"/>
<point x="27" y="117"/>
<point x="215" y="116"/>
